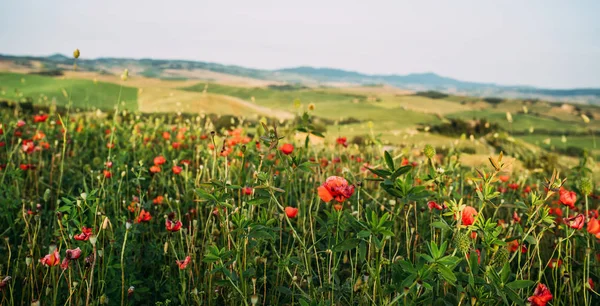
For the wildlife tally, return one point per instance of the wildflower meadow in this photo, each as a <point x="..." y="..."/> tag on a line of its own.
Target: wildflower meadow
<point x="119" y="207"/>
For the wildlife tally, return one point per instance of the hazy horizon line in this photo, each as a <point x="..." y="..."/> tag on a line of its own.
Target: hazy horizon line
<point x="303" y="66"/>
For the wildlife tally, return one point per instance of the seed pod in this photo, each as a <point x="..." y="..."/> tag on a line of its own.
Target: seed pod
<point x="462" y="242"/>
<point x="500" y="258"/>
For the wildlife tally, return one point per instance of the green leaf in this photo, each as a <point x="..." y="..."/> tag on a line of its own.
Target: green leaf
<point x="407" y="266"/>
<point x="513" y="296"/>
<point x="380" y="172"/>
<point x="363" y="234"/>
<point x="259" y="201"/>
<point x="531" y="240"/>
<point x="389" y="160"/>
<point x="505" y="273"/>
<point x="205" y="195"/>
<point x="473" y="262"/>
<point x="447" y="274"/>
<point x="400" y="171"/>
<point x="346" y="245"/>
<point x="261" y="234"/>
<point x="440" y="225"/>
<point x="284" y="290"/>
<point x="520" y="284"/>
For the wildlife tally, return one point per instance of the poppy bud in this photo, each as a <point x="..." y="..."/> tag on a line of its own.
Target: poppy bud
<point x="586" y="187"/>
<point x="125" y="75"/>
<point x="76" y="53"/>
<point x="254" y="299"/>
<point x="429" y="151"/>
<point x="93" y="239"/>
<point x="462" y="242"/>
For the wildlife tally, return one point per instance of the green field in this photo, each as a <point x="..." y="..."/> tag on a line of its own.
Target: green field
<point x="385" y="115"/>
<point x="522" y="122"/>
<point x="85" y="94"/>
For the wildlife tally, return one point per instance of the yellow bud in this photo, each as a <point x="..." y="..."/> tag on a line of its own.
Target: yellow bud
<point x="585" y="118"/>
<point x="76" y="53"/>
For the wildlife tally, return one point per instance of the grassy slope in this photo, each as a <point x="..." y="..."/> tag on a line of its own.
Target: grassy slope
<point x="330" y="105"/>
<point x="84" y="93"/>
<point x="394" y="114"/>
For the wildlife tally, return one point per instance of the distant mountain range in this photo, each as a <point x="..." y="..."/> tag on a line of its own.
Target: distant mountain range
<point x="316" y="77"/>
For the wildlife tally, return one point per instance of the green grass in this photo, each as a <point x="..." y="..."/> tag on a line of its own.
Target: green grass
<point x="329" y="105"/>
<point x="584" y="142"/>
<point x="85" y="94"/>
<point x="521" y="122"/>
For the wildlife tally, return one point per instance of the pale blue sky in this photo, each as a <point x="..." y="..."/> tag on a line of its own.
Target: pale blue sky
<point x="541" y="43"/>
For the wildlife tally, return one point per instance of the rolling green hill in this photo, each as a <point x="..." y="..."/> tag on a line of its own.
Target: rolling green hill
<point x="85" y="94"/>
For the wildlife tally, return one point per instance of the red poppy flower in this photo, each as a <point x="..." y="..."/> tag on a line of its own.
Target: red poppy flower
<point x="108" y="164"/>
<point x="433" y="204"/>
<point x="107" y="174"/>
<point x="24" y="167"/>
<point x="166" y="135"/>
<point x="516" y="217"/>
<point x="70" y="255"/>
<point x="513" y="186"/>
<point x="247" y="190"/>
<point x="27" y="145"/>
<point x="159" y="160"/>
<point x="568" y="198"/>
<point x="155" y="169"/>
<point x="337" y="188"/>
<point x="287" y="149"/>
<point x="593" y="213"/>
<point x="591" y="283"/>
<point x="338" y="207"/>
<point x="468" y="215"/>
<point x="541" y="296"/>
<point x="405" y="161"/>
<point x="527" y="189"/>
<point x="513" y="246"/>
<point x="73" y="254"/>
<point x="51" y="259"/>
<point x="177" y="169"/>
<point x="158" y="200"/>
<point x="183" y="263"/>
<point x="555" y="263"/>
<point x="20" y="123"/>
<point x="291" y="212"/>
<point x="173" y="226"/>
<point x="593" y="227"/>
<point x="575" y="222"/>
<point x="40" y="118"/>
<point x="144" y="216"/>
<point x="503" y="178"/>
<point x="342" y="141"/>
<point x="86" y="232"/>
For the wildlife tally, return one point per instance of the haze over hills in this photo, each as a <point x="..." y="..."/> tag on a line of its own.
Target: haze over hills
<point x="309" y="76"/>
